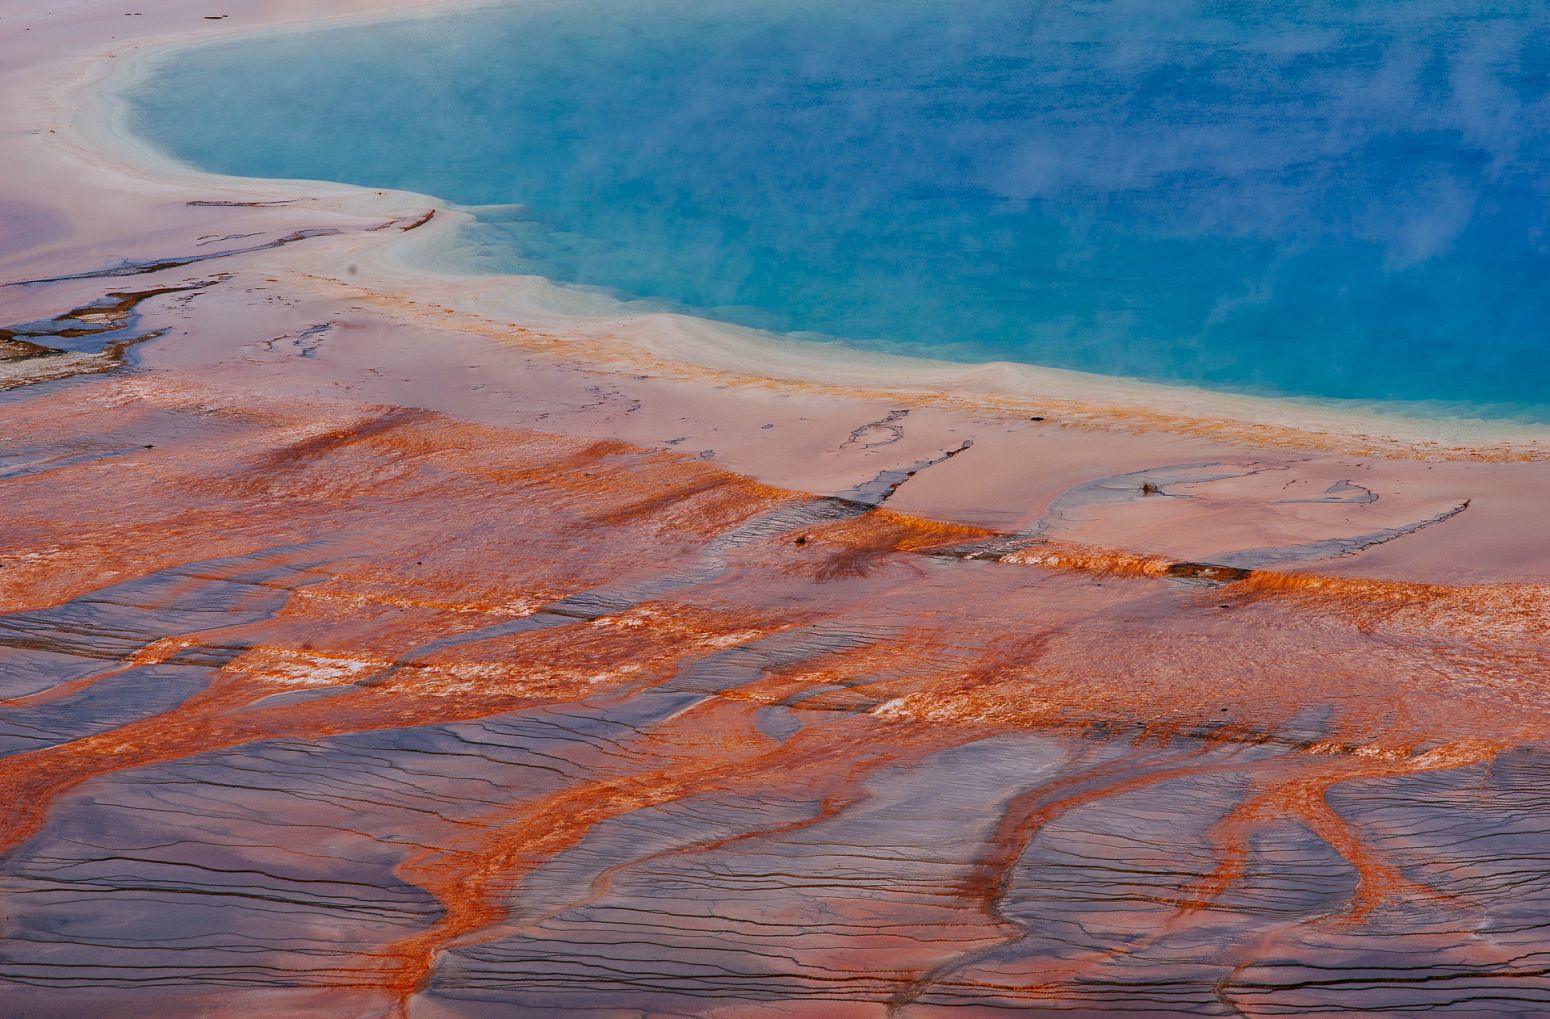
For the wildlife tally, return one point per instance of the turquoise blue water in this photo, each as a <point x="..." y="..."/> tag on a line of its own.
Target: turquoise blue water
<point x="1328" y="199"/>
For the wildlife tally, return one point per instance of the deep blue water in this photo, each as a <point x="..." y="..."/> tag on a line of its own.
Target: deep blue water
<point x="1333" y="199"/>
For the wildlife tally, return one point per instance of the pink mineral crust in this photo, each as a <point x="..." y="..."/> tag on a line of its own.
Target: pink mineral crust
<point x="374" y="642"/>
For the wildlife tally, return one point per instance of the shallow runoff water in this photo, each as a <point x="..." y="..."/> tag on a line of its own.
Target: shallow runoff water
<point x="1327" y="199"/>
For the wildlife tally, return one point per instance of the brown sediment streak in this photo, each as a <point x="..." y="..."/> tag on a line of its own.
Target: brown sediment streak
<point x="1024" y="816"/>
<point x="145" y="268"/>
<point x="701" y="503"/>
<point x="31" y="782"/>
<point x="1527" y="604"/>
<point x="643" y="487"/>
<point x="701" y="639"/>
<point x="155" y="653"/>
<point x="1299" y="794"/>
<point x="65" y="690"/>
<point x="409" y="223"/>
<point x="53" y="365"/>
<point x="1391" y="593"/>
<point x="319" y="445"/>
<point x="1494" y="612"/>
<point x="221" y="204"/>
<point x="12" y="349"/>
<point x="883" y="529"/>
<point x="562" y="666"/>
<point x="856" y="546"/>
<point x="109" y="318"/>
<point x="845" y="791"/>
<point x="113" y="312"/>
<point x="1027" y="812"/>
<point x="1303" y="796"/>
<point x="715" y="748"/>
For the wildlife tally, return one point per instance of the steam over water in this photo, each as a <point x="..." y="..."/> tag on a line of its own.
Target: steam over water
<point x="1337" y="200"/>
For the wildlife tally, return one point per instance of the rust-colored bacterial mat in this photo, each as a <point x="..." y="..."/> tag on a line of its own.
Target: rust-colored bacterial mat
<point x="307" y="712"/>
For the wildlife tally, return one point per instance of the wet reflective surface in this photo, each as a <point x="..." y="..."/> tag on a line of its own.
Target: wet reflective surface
<point x="312" y="711"/>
